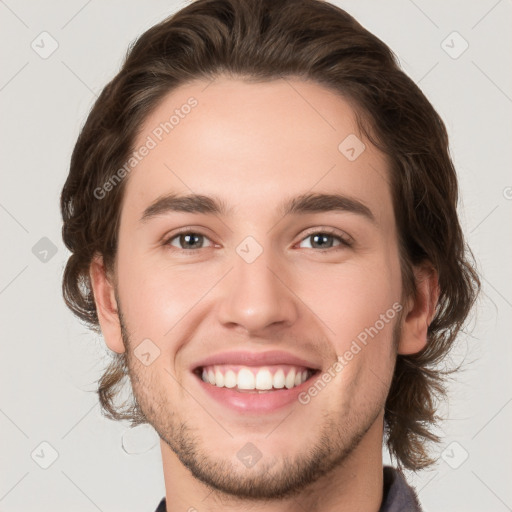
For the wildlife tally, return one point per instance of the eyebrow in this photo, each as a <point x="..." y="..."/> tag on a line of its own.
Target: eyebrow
<point x="302" y="204"/>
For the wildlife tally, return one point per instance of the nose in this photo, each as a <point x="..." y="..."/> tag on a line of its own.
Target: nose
<point x="256" y="296"/>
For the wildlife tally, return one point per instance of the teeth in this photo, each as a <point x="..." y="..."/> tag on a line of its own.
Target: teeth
<point x="279" y="379"/>
<point x="264" y="379"/>
<point x="246" y="379"/>
<point x="219" y="379"/>
<point x="230" y="379"/>
<point x="290" y="379"/>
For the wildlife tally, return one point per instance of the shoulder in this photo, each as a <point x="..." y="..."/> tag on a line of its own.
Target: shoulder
<point x="161" y="506"/>
<point x="398" y="496"/>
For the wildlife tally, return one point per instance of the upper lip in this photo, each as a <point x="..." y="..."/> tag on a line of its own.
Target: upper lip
<point x="246" y="358"/>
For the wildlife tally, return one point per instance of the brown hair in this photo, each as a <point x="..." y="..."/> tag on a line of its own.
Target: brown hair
<point x="263" y="40"/>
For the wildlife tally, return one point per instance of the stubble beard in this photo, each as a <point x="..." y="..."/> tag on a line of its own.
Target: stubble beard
<point x="272" y="478"/>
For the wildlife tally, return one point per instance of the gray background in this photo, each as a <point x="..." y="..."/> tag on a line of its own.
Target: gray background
<point x="49" y="361"/>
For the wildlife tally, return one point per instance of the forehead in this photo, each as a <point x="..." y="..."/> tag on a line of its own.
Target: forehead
<point x="253" y="144"/>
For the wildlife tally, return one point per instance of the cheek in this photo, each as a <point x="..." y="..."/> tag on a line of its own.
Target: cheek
<point x="157" y="296"/>
<point x="148" y="296"/>
<point x="360" y="305"/>
<point x="351" y="297"/>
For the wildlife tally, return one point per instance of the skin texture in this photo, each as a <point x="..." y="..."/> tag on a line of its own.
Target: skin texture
<point x="255" y="145"/>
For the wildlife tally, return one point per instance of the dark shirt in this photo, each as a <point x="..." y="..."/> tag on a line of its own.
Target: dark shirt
<point x="398" y="495"/>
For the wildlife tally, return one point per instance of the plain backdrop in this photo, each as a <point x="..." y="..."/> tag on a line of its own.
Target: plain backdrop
<point x="57" y="452"/>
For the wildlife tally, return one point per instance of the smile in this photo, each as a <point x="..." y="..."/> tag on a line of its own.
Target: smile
<point x="255" y="379"/>
<point x="255" y="382"/>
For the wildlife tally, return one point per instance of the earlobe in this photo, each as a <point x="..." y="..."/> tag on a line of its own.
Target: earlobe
<point x="106" y="304"/>
<point x="420" y="311"/>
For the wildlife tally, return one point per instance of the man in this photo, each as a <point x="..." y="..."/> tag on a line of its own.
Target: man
<point x="261" y="210"/>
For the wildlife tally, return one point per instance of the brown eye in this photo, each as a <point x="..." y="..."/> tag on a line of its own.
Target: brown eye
<point x="325" y="240"/>
<point x="187" y="241"/>
<point x="321" y="240"/>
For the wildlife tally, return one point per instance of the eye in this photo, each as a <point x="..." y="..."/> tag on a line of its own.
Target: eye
<point x="324" y="240"/>
<point x="187" y="240"/>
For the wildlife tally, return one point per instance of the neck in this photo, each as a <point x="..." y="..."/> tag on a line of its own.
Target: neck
<point x="355" y="484"/>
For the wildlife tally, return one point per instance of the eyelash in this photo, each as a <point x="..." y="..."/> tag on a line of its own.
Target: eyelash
<point x="345" y="242"/>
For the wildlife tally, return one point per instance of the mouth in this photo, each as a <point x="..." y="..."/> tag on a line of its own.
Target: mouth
<point x="253" y="379"/>
<point x="255" y="382"/>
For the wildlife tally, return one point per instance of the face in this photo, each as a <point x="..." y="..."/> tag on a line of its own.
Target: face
<point x="258" y="319"/>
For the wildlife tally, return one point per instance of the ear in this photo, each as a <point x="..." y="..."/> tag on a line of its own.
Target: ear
<point x="420" y="310"/>
<point x="106" y="304"/>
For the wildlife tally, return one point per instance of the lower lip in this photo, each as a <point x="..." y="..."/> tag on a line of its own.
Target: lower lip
<point x="253" y="401"/>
